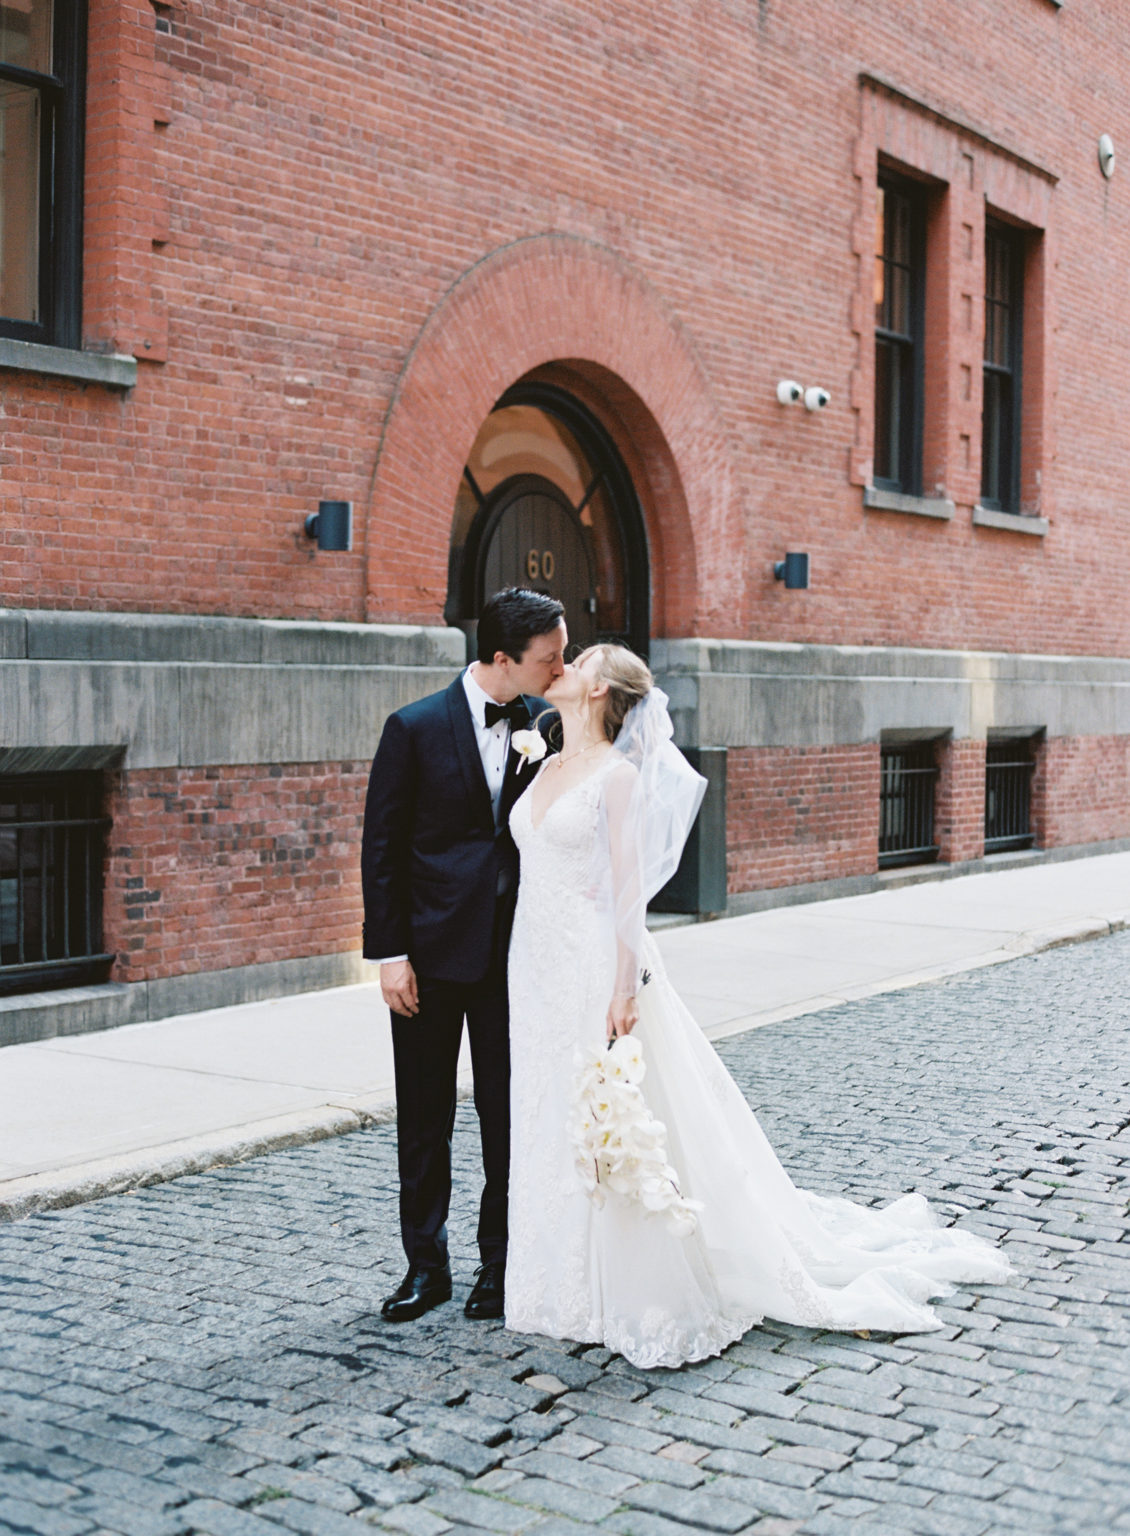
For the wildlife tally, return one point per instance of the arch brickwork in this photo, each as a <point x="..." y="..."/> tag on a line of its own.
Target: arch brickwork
<point x="557" y="305"/>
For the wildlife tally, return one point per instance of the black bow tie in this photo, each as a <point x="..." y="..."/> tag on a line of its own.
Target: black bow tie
<point x="516" y="712"/>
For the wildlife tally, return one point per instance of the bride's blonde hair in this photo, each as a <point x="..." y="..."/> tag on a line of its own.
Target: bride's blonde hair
<point x="629" y="680"/>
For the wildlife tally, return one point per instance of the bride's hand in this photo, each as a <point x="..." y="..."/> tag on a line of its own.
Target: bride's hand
<point x="623" y="1016"/>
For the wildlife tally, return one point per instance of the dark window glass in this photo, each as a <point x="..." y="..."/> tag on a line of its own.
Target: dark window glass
<point x="899" y="291"/>
<point x="908" y="774"/>
<point x="1000" y="412"/>
<point x="1009" y="766"/>
<point x="20" y="159"/>
<point x="51" y="853"/>
<point x="42" y="60"/>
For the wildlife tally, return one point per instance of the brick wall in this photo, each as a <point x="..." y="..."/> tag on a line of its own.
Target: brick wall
<point x="959" y="801"/>
<point x="333" y="236"/>
<point x="281" y="202"/>
<point x="801" y="814"/>
<point x="217" y="867"/>
<point x="1081" y="790"/>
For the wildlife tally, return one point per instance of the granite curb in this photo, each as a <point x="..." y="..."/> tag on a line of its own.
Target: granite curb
<point x="60" y="1187"/>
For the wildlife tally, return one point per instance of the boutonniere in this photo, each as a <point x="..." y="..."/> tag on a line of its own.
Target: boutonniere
<point x="529" y="745"/>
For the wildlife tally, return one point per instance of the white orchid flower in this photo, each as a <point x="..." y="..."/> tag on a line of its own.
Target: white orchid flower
<point x="619" y="1145"/>
<point x="528" y="744"/>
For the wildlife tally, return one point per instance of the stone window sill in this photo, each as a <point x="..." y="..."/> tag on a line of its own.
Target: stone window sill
<point x="115" y="371"/>
<point x="1017" y="522"/>
<point x="915" y="506"/>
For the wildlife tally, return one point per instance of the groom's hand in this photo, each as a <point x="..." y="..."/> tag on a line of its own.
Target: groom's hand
<point x="398" y="987"/>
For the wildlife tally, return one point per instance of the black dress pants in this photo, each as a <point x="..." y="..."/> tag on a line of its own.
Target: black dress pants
<point x="426" y="1055"/>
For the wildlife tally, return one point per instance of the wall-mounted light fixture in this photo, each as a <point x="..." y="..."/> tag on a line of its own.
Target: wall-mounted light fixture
<point x="331" y="525"/>
<point x="793" y="571"/>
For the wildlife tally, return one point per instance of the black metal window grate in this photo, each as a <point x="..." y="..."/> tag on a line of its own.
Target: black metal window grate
<point x="1009" y="766"/>
<point x="52" y="833"/>
<point x="908" y="775"/>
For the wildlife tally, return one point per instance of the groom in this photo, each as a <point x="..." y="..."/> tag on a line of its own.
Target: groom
<point x="439" y="873"/>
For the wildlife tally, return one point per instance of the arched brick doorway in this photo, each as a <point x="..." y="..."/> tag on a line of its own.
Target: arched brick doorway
<point x="556" y="310"/>
<point x="546" y="501"/>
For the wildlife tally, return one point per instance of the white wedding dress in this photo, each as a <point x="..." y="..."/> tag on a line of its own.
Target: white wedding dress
<point x="613" y="1274"/>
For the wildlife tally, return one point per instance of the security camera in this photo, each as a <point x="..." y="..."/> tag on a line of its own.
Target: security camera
<point x="815" y="398"/>
<point x="789" y="391"/>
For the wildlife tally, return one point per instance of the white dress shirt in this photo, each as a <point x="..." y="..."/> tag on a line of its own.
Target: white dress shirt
<point x="494" y="748"/>
<point x="494" y="740"/>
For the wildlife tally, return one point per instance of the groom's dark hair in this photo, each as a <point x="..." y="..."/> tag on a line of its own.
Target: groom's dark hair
<point x="511" y="619"/>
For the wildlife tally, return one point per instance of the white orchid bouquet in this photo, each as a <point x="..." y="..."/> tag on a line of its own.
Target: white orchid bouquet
<point x="619" y="1145"/>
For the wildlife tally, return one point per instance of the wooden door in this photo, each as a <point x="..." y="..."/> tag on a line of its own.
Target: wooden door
<point x="533" y="538"/>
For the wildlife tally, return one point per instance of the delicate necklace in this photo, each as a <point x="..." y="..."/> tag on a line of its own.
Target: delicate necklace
<point x="562" y="759"/>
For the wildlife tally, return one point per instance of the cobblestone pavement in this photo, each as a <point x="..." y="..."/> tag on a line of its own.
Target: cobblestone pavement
<point x="206" y="1355"/>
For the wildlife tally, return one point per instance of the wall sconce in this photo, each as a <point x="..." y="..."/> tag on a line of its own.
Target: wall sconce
<point x="331" y="525"/>
<point x="793" y="571"/>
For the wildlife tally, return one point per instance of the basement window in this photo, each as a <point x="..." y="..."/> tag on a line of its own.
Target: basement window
<point x="1009" y="766"/>
<point x="52" y="839"/>
<point x="908" y="775"/>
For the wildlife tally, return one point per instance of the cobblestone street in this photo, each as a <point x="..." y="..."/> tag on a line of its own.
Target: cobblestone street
<point x="207" y="1355"/>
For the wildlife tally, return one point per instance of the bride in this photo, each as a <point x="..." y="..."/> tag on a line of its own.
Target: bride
<point x="599" y="831"/>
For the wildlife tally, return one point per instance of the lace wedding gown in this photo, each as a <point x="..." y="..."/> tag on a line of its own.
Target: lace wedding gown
<point x="614" y="1274"/>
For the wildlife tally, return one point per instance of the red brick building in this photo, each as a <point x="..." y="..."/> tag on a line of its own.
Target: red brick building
<point x="520" y="283"/>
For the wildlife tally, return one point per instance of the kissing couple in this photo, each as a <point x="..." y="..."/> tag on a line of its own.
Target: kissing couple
<point x="506" y="886"/>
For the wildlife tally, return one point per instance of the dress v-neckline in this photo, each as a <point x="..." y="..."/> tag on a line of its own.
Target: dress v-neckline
<point x="564" y="795"/>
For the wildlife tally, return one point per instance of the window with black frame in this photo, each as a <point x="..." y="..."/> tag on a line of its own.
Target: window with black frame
<point x="42" y="66"/>
<point x="52" y="841"/>
<point x="899" y="294"/>
<point x="1000" y="411"/>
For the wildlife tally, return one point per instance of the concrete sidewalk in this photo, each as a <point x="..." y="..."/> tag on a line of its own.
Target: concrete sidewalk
<point x="90" y="1114"/>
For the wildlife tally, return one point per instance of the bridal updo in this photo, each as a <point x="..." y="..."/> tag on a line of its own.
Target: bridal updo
<point x="629" y="680"/>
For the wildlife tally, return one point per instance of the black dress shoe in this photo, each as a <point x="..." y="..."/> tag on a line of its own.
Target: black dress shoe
<point x="486" y="1296"/>
<point x="419" y="1291"/>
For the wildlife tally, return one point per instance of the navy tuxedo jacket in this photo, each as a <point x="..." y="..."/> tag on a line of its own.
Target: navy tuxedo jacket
<point x="434" y="867"/>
